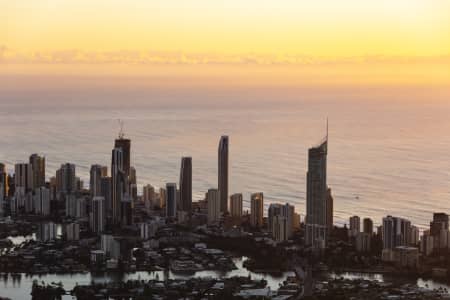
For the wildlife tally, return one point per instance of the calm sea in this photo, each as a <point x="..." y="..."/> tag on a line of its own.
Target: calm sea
<point x="384" y="157"/>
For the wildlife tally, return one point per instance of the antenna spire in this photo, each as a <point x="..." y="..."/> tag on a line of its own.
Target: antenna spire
<point x="121" y="132"/>
<point x="327" y="129"/>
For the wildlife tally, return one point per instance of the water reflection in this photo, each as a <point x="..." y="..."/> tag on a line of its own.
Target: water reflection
<point x="17" y="240"/>
<point x="20" y="286"/>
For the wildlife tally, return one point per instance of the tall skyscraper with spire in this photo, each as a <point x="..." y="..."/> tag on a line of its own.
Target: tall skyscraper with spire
<point x="186" y="184"/>
<point x="124" y="144"/>
<point x="317" y="212"/>
<point x="223" y="173"/>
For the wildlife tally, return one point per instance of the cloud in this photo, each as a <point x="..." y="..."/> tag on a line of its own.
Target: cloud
<point x="134" y="57"/>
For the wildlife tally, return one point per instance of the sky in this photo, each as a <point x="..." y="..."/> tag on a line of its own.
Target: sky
<point x="351" y="43"/>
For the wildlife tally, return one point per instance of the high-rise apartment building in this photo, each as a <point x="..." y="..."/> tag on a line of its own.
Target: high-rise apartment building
<point x="95" y="181"/>
<point x="355" y="226"/>
<point x="171" y="200"/>
<point x="162" y="197"/>
<point x="46" y="232"/>
<point x="286" y="211"/>
<point x="186" y="184"/>
<point x="236" y="205"/>
<point x="98" y="218"/>
<point x="213" y="199"/>
<point x="106" y="192"/>
<point x="368" y="226"/>
<point x="118" y="184"/>
<point x="329" y="204"/>
<point x="133" y="184"/>
<point x="41" y="200"/>
<point x="148" y="197"/>
<point x="279" y="228"/>
<point x="257" y="210"/>
<point x="126" y="211"/>
<point x="66" y="180"/>
<point x="4" y="181"/>
<point x="395" y="232"/>
<point x="72" y="231"/>
<point x="223" y="173"/>
<point x="24" y="176"/>
<point x="38" y="166"/>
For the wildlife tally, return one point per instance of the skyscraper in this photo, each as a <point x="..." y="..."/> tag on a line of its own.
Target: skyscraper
<point x="171" y="200"/>
<point x="46" y="231"/>
<point x="440" y="222"/>
<point x="133" y="183"/>
<point x="439" y="229"/>
<point x="148" y="196"/>
<point x="81" y="207"/>
<point x="257" y="210"/>
<point x="24" y="176"/>
<point x="126" y="211"/>
<point x="162" y="197"/>
<point x="125" y="145"/>
<point x="355" y="226"/>
<point x="283" y="210"/>
<point x="279" y="227"/>
<point x="2" y="202"/>
<point x="330" y="202"/>
<point x="396" y="232"/>
<point x="316" y="196"/>
<point x="223" y="173"/>
<point x="236" y="205"/>
<point x="368" y="226"/>
<point x="106" y="190"/>
<point x="98" y="214"/>
<point x="38" y="165"/>
<point x="4" y="181"/>
<point x="186" y="184"/>
<point x="213" y="200"/>
<point x="274" y="210"/>
<point x="117" y="184"/>
<point x="72" y="231"/>
<point x="41" y="200"/>
<point x="66" y="180"/>
<point x="95" y="181"/>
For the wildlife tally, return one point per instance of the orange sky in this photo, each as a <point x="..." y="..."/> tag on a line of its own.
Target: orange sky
<point x="348" y="42"/>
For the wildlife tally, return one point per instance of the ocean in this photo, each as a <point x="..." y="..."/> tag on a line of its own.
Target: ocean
<point x="384" y="157"/>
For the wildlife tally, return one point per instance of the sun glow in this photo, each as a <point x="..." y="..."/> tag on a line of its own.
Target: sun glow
<point x="327" y="42"/>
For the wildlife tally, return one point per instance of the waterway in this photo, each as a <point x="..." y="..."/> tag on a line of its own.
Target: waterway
<point x="19" y="287"/>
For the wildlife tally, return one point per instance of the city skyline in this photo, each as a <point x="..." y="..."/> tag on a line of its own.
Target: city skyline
<point x="396" y="231"/>
<point x="172" y="149"/>
<point x="247" y="200"/>
<point x="317" y="160"/>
